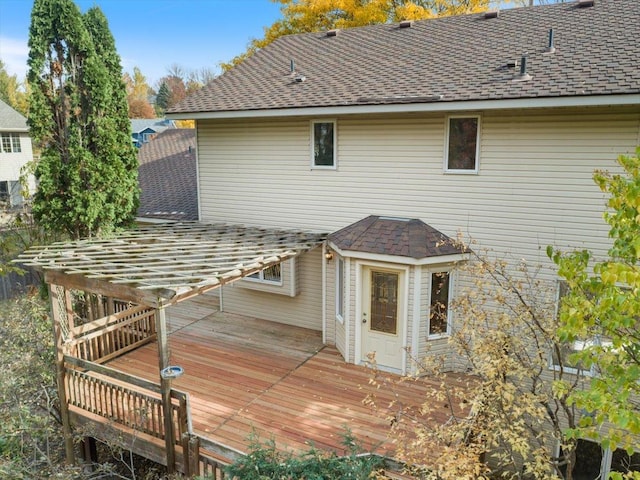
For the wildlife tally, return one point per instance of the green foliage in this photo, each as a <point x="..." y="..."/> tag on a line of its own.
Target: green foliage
<point x="602" y="309"/>
<point x="79" y="115"/>
<point x="27" y="390"/>
<point x="265" y="462"/>
<point x="11" y="91"/>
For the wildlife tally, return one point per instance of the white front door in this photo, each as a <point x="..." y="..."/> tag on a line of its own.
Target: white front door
<point x="382" y="316"/>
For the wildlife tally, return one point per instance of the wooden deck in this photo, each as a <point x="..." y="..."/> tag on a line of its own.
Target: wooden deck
<point x="246" y="375"/>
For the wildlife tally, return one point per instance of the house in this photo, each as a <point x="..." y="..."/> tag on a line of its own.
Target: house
<point x="167" y="176"/>
<point x="396" y="136"/>
<point x="489" y="125"/>
<point x="15" y="153"/>
<point x="333" y="168"/>
<point x="145" y="129"/>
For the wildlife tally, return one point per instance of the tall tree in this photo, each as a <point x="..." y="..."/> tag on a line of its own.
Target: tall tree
<point x="601" y="312"/>
<point x="78" y="113"/>
<point x="304" y="16"/>
<point x="172" y="89"/>
<point x="138" y="92"/>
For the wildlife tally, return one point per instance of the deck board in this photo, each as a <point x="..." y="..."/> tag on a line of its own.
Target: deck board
<point x="246" y="376"/>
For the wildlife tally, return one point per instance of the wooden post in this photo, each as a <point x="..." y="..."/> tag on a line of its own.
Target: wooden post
<point x="60" y="373"/>
<point x="191" y="449"/>
<point x="165" y="387"/>
<point x="90" y="450"/>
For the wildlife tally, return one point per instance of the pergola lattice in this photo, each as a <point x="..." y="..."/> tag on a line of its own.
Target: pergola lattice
<point x="166" y="263"/>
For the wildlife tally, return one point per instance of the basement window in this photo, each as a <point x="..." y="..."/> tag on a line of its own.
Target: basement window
<point x="462" y="144"/>
<point x="323" y="144"/>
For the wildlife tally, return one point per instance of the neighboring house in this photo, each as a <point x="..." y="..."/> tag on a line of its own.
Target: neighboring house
<point x="15" y="153"/>
<point x="167" y="177"/>
<point x="145" y="129"/>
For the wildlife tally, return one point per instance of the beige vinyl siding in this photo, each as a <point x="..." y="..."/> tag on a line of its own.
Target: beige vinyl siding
<point x="534" y="187"/>
<point x="303" y="310"/>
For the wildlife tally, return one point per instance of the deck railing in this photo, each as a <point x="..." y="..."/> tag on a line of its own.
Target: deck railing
<point x="113" y="395"/>
<point x="113" y="335"/>
<point x="136" y="403"/>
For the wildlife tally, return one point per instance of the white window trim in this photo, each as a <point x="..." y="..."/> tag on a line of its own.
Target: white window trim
<point x="446" y="146"/>
<point x="452" y="282"/>
<point x="12" y="143"/>
<point x="340" y="265"/>
<point x="261" y="279"/>
<point x="335" y="144"/>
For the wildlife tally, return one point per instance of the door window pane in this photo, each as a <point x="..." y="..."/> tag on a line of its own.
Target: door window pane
<point x="384" y="302"/>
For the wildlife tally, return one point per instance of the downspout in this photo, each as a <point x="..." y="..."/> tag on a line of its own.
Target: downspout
<point x="324" y="292"/>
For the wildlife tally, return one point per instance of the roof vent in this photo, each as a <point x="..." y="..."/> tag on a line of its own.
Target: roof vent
<point x="523" y="76"/>
<point x="332" y="33"/>
<point x="585" y="3"/>
<point x="292" y="66"/>
<point x="492" y="13"/>
<point x="551" y="47"/>
<point x="299" y="78"/>
<point x="405" y="24"/>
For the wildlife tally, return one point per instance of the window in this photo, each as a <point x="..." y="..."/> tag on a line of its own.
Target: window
<point x="563" y="360"/>
<point x="592" y="462"/>
<point x="340" y="290"/>
<point x="439" y="306"/>
<point x="271" y="275"/>
<point x="323" y="144"/>
<point x="462" y="144"/>
<point x="10" y="143"/>
<point x="4" y="191"/>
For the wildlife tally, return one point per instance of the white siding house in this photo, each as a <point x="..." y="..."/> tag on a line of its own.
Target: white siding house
<point x="417" y="124"/>
<point x="15" y="153"/>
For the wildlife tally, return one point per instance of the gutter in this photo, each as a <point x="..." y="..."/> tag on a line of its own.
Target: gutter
<point x="434" y="106"/>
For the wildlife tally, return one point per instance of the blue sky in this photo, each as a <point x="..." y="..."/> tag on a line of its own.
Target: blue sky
<point x="154" y="34"/>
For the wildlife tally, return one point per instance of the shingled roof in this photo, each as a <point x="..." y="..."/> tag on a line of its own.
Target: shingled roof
<point x="10" y="120"/>
<point x="453" y="59"/>
<point x="167" y="176"/>
<point x="401" y="237"/>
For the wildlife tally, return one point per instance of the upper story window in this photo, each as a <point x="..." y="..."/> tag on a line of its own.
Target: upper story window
<point x="440" y="304"/>
<point x="463" y="144"/>
<point x="270" y="275"/>
<point x="323" y="144"/>
<point x="10" y="143"/>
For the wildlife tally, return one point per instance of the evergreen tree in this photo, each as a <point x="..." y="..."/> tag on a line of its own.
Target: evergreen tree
<point x="78" y="114"/>
<point x="163" y="98"/>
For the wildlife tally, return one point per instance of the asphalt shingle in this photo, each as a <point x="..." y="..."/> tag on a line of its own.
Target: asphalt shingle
<point x="447" y="59"/>
<point x="167" y="176"/>
<point x="395" y="236"/>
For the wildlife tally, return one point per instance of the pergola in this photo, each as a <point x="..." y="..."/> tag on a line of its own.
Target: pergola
<point x="125" y="284"/>
<point x="164" y="264"/>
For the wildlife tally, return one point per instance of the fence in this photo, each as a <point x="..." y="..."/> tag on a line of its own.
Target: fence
<point x="13" y="284"/>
